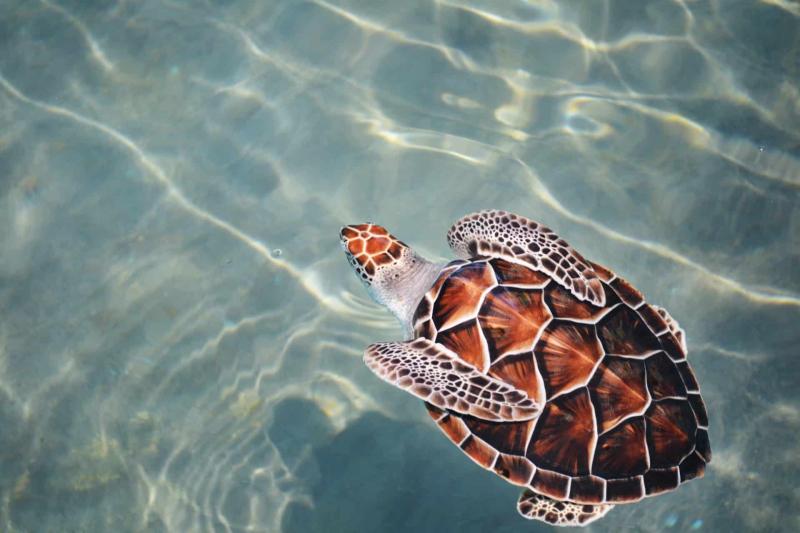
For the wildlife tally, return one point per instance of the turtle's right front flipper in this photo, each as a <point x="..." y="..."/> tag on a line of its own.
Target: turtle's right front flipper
<point x="432" y="373"/>
<point x="515" y="238"/>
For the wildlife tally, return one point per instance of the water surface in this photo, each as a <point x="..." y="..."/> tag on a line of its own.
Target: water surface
<point x="180" y="334"/>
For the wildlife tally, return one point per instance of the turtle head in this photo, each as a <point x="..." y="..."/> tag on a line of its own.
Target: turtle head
<point x="394" y="274"/>
<point x="371" y="249"/>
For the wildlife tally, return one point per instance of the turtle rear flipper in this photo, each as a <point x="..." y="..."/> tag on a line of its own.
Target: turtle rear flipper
<point x="501" y="234"/>
<point x="673" y="325"/>
<point x="537" y="507"/>
<point x="432" y="373"/>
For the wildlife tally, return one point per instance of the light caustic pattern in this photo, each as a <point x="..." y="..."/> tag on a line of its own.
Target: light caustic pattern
<point x="181" y="339"/>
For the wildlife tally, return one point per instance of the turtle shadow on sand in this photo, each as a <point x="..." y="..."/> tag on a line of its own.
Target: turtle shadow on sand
<point x="381" y="474"/>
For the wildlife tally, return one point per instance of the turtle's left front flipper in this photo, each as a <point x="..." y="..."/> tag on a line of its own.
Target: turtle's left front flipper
<point x="433" y="373"/>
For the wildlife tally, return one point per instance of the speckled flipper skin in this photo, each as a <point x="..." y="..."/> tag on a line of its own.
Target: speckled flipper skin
<point x="537" y="507"/>
<point x="516" y="238"/>
<point x="430" y="372"/>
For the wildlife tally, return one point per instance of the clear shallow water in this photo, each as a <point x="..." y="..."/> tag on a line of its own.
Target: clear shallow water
<point x="181" y="335"/>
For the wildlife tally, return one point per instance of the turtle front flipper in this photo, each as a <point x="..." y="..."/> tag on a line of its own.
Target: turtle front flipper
<point x="434" y="374"/>
<point x="501" y="234"/>
<point x="537" y="507"/>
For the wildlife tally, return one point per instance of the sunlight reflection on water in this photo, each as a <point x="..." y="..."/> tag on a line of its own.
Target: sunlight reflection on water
<point x="181" y="340"/>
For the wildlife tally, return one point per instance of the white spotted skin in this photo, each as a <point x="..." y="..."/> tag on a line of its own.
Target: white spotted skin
<point x="400" y="286"/>
<point x="537" y="507"/>
<point x="501" y="234"/>
<point x="434" y="374"/>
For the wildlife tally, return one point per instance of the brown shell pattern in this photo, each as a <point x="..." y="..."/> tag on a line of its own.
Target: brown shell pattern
<point x="622" y="416"/>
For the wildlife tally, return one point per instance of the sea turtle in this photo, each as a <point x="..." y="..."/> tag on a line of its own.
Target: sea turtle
<point x="542" y="366"/>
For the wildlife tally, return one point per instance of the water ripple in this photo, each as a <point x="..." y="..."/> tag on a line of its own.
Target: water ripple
<point x="182" y="338"/>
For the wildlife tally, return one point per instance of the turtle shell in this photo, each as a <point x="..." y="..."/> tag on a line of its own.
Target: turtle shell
<point x="622" y="416"/>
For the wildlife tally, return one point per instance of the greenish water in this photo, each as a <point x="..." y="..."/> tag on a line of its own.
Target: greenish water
<point x="181" y="335"/>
